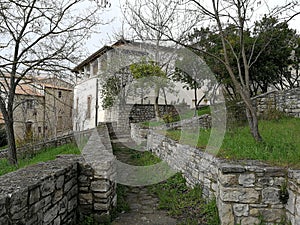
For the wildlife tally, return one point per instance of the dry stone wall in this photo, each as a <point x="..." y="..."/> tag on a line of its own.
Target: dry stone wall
<point x="287" y="101"/>
<point x="45" y="193"/>
<point x="33" y="148"/>
<point x="247" y="192"/>
<point x="63" y="191"/>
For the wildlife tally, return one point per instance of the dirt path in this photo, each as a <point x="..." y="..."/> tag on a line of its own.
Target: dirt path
<point x="143" y="205"/>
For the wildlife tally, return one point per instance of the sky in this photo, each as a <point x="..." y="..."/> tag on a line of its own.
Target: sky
<point x="111" y="32"/>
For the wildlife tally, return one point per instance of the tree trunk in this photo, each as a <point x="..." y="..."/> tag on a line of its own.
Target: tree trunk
<point x="253" y="124"/>
<point x="196" y="99"/>
<point x="156" y="107"/>
<point x="12" y="150"/>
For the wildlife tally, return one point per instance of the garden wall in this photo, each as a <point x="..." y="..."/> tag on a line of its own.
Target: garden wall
<point x="287" y="101"/>
<point x="36" y="147"/>
<point x="139" y="133"/>
<point x="134" y="113"/>
<point x="63" y="191"/>
<point x="268" y="105"/>
<point x="246" y="191"/>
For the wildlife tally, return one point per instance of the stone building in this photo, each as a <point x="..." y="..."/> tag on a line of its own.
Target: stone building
<point x="43" y="108"/>
<point x="114" y="61"/>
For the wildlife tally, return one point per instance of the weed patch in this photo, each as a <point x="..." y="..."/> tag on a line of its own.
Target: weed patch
<point x="43" y="156"/>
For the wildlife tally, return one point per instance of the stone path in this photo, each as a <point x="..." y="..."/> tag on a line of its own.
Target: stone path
<point x="143" y="205"/>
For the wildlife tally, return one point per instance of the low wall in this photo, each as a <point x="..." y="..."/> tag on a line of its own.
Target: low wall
<point x="45" y="193"/>
<point x="63" y="191"/>
<point x="36" y="147"/>
<point x="139" y="133"/>
<point x="287" y="101"/>
<point x="245" y="191"/>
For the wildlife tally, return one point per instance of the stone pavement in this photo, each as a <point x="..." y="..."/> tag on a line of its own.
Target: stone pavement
<point x="143" y="205"/>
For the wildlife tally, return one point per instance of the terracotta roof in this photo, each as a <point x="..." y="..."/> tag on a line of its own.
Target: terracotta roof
<point x="98" y="53"/>
<point x="26" y="89"/>
<point x="1" y="118"/>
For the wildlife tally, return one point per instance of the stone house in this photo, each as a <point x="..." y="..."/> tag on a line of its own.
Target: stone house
<point x="43" y="108"/>
<point x="114" y="61"/>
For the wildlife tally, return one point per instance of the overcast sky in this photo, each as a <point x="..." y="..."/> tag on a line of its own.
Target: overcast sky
<point x="109" y="33"/>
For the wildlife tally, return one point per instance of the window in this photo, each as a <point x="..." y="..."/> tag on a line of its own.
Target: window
<point x="29" y="103"/>
<point x="89" y="105"/>
<point x="59" y="94"/>
<point x="40" y="130"/>
<point x="77" y="104"/>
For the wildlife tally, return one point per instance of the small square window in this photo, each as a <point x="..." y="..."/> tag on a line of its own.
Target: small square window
<point x="59" y="94"/>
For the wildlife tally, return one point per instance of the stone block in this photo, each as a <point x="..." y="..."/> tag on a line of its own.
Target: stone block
<point x="270" y="195"/>
<point x="60" y="182"/>
<point x="241" y="209"/>
<point x="269" y="215"/>
<point x="265" y="181"/>
<point x="85" y="198"/>
<point x="73" y="192"/>
<point x="290" y="206"/>
<point x="50" y="214"/>
<point x="34" y="195"/>
<point x="230" y="168"/>
<point x="228" y="180"/>
<point x="63" y="205"/>
<point x="100" y="186"/>
<point x="239" y="195"/>
<point x="247" y="180"/>
<point x="297" y="205"/>
<point x="250" y="221"/>
<point x="226" y="213"/>
<point x="72" y="204"/>
<point x="57" y="196"/>
<point x="47" y="187"/>
<point x="101" y="206"/>
<point x="70" y="184"/>
<point x="57" y="221"/>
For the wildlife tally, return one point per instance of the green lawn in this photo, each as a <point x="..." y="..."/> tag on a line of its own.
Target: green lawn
<point x="281" y="145"/>
<point x="43" y="156"/>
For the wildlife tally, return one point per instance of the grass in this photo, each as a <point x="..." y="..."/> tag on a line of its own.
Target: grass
<point x="43" y="156"/>
<point x="185" y="204"/>
<point x="281" y="145"/>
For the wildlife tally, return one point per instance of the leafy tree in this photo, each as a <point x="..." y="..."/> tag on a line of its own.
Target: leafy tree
<point x="151" y="74"/>
<point x="39" y="36"/>
<point x="273" y="66"/>
<point x="219" y="14"/>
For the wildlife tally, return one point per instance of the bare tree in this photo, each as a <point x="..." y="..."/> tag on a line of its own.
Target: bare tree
<point x="218" y="14"/>
<point x="39" y="35"/>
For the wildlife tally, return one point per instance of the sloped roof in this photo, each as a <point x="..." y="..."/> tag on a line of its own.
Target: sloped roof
<point x="98" y="53"/>
<point x="27" y="89"/>
<point x="1" y="118"/>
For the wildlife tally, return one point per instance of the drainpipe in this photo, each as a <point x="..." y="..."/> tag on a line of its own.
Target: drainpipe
<point x="97" y="104"/>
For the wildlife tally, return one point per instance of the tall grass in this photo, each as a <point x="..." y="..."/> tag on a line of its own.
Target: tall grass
<point x="281" y="145"/>
<point x="43" y="156"/>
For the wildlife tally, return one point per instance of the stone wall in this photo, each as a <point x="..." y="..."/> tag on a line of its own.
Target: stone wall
<point x="46" y="193"/>
<point x="33" y="148"/>
<point x="293" y="204"/>
<point x="246" y="191"/>
<point x="140" y="113"/>
<point x="139" y="133"/>
<point x="63" y="191"/>
<point x="124" y="115"/>
<point x="287" y="101"/>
